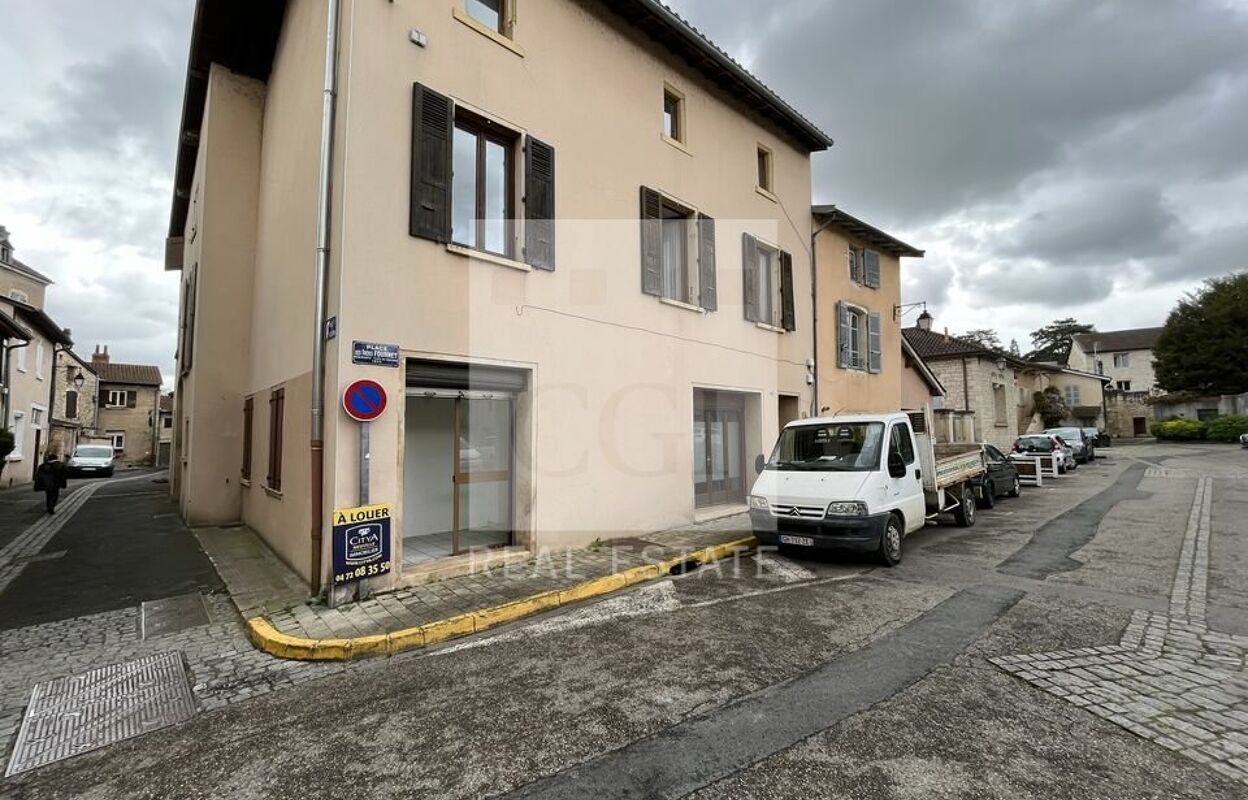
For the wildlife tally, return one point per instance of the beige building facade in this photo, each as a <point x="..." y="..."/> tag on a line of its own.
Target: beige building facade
<point x="858" y="310"/>
<point x="588" y="316"/>
<point x="127" y="408"/>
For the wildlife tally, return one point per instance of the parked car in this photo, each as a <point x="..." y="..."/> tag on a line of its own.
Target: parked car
<point x="1000" y="479"/>
<point x="91" y="460"/>
<point x="1243" y="439"/>
<point x="1042" y="444"/>
<point x="1084" y="450"/>
<point x="1097" y="436"/>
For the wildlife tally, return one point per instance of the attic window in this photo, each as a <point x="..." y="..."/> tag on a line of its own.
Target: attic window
<point x="673" y="115"/>
<point x="490" y="13"/>
<point x="764" y="169"/>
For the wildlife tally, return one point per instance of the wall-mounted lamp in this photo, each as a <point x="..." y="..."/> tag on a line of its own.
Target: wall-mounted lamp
<point x="900" y="311"/>
<point x="79" y="379"/>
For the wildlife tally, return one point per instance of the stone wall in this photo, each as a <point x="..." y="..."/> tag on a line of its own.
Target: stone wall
<point x="1122" y="408"/>
<point x="976" y="393"/>
<point x="138" y="423"/>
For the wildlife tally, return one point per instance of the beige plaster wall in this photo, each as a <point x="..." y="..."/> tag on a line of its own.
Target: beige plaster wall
<point x="11" y="280"/>
<point x="28" y="391"/>
<point x="138" y="423"/>
<point x="850" y="390"/>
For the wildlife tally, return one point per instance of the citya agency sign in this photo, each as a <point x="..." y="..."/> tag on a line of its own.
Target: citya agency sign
<point x="361" y="543"/>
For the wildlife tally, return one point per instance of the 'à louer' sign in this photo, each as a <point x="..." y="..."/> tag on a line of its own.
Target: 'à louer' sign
<point x="361" y="543"/>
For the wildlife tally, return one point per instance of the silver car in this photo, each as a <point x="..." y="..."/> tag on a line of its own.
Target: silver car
<point x="91" y="460"/>
<point x="1075" y="439"/>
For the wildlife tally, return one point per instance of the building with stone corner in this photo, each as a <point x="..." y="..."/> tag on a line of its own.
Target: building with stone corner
<point x="128" y="408"/>
<point x="75" y="402"/>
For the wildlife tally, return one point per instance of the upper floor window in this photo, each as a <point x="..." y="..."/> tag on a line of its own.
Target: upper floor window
<point x="864" y="266"/>
<point x="483" y="185"/>
<point x="1122" y="359"/>
<point x="677" y="250"/>
<point x="5" y="254"/>
<point x="768" y="284"/>
<point x="18" y="295"/>
<point x="1070" y="393"/>
<point x="1124" y="386"/>
<point x="673" y="115"/>
<point x="493" y="14"/>
<point x="858" y="338"/>
<point x="118" y="398"/>
<point x="71" y="404"/>
<point x="39" y="361"/>
<point x="764" y="169"/>
<point x="464" y="180"/>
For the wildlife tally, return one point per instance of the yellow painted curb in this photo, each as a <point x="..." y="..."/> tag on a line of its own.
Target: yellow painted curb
<point x="272" y="641"/>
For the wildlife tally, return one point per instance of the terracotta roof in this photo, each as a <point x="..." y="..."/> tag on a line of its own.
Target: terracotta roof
<point x="1117" y="341"/>
<point x="166" y="402"/>
<point x="931" y="345"/>
<point x="140" y="374"/>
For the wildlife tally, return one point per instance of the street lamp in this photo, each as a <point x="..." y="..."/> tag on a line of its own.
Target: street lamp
<point x="79" y="379"/>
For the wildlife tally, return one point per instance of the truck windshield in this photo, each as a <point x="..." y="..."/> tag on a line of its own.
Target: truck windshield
<point x="842" y="447"/>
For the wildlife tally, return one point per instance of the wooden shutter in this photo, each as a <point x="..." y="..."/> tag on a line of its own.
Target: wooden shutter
<point x="432" y="123"/>
<point x="874" y="353"/>
<point x="651" y="242"/>
<point x="788" y="318"/>
<point x="71" y="405"/>
<point x="539" y="204"/>
<point x="132" y="398"/>
<point x="844" y="323"/>
<point x="101" y="398"/>
<point x="248" y="409"/>
<point x="277" y="408"/>
<point x="706" y="263"/>
<point x="871" y="268"/>
<point x="749" y="271"/>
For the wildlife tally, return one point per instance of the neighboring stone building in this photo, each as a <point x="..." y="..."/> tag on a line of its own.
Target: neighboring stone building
<point x="76" y="405"/>
<point x="976" y="379"/>
<point x="128" y="407"/>
<point x="1126" y="358"/>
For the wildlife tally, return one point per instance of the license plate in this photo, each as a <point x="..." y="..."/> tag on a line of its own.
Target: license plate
<point x="805" y="541"/>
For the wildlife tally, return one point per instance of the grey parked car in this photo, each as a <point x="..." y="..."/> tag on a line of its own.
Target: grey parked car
<point x="1084" y="450"/>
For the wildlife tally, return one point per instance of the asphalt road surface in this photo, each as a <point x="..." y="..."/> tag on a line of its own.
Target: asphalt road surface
<point x="770" y="677"/>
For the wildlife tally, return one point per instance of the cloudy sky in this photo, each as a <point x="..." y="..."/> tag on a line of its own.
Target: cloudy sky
<point x="1055" y="158"/>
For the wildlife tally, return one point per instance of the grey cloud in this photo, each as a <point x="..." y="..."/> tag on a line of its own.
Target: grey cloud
<point x="1029" y="283"/>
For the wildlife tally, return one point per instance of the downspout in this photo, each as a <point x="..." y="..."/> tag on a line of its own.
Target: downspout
<point x="814" y="306"/>
<point x="51" y="400"/>
<point x="323" y="220"/>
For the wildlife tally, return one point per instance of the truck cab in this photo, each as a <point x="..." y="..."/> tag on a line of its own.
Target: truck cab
<point x="859" y="482"/>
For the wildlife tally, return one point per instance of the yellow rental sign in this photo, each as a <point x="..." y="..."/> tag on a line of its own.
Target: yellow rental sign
<point x="350" y="516"/>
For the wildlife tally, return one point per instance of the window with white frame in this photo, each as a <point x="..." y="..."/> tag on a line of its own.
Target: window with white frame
<point x="18" y="295"/>
<point x="1070" y="392"/>
<point x="857" y="337"/>
<point x="1122" y="359"/>
<point x="118" y="398"/>
<point x="118" y="438"/>
<point x="1124" y="386"/>
<point x="36" y="418"/>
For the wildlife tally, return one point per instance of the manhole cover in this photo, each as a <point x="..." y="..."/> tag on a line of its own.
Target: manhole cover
<point x="173" y="614"/>
<point x="72" y="715"/>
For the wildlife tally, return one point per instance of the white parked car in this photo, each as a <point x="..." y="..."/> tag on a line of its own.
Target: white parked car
<point x="91" y="460"/>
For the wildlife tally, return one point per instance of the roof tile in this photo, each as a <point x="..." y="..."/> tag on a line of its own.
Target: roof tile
<point x="139" y="374"/>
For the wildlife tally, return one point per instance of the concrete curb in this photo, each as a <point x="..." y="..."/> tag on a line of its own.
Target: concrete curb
<point x="272" y="641"/>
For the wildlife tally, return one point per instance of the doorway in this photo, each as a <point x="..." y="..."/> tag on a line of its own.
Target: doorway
<point x="458" y="474"/>
<point x="718" y="448"/>
<point x="1139" y="426"/>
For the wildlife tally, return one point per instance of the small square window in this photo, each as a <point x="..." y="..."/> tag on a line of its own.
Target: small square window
<point x="764" y="168"/>
<point x="490" y="13"/>
<point x="673" y="115"/>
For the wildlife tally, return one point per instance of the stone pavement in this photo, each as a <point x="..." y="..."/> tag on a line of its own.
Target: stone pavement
<point x="259" y="582"/>
<point x="1170" y="679"/>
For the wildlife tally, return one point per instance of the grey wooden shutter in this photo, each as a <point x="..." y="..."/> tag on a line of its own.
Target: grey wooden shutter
<point x="749" y="269"/>
<point x="844" y="325"/>
<point x="71" y="405"/>
<point x="539" y="204"/>
<point x="432" y="122"/>
<point x="101" y="397"/>
<point x="871" y="268"/>
<point x="706" y="263"/>
<point x="874" y="354"/>
<point x="651" y="242"/>
<point x="132" y="398"/>
<point x="788" y="318"/>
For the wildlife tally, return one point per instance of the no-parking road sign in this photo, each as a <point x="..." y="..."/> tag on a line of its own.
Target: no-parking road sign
<point x="364" y="400"/>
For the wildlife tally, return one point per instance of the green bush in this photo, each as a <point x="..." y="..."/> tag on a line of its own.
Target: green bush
<point x="1178" y="429"/>
<point x="1226" y="429"/>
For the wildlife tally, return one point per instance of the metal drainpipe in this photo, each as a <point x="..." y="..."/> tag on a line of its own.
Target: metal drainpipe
<point x="323" y="220"/>
<point x="814" y="306"/>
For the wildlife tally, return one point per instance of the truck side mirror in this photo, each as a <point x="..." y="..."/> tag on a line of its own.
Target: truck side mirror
<point x="896" y="466"/>
<point x="759" y="462"/>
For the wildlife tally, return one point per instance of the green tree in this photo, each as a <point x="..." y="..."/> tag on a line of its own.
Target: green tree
<point x="1204" y="345"/>
<point x="984" y="337"/>
<point x="1052" y="342"/>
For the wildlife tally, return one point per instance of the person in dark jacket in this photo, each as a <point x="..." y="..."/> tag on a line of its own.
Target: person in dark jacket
<point x="50" y="479"/>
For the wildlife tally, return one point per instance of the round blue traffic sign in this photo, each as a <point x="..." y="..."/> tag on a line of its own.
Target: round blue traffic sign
<point x="364" y="400"/>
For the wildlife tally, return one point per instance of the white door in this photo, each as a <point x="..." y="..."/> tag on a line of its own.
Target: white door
<point x="905" y="492"/>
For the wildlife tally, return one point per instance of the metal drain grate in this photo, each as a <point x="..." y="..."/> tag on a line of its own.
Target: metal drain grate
<point x="72" y="715"/>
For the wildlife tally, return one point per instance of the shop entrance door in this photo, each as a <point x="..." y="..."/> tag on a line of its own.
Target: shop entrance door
<point x="458" y="474"/>
<point x="718" y="448"/>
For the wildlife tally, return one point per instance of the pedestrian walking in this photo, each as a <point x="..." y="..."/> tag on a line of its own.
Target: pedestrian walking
<point x="50" y="479"/>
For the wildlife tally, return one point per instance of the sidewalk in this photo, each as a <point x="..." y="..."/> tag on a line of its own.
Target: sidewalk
<point x="284" y="622"/>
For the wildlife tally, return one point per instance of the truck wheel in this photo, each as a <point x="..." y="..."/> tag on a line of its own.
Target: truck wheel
<point x="889" y="553"/>
<point x="964" y="514"/>
<point x="990" y="496"/>
<point x="1017" y="489"/>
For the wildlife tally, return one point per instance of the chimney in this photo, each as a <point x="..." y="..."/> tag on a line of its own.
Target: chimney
<point x="98" y="358"/>
<point x="924" y="322"/>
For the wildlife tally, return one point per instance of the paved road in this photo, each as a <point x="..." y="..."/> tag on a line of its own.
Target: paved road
<point x="782" y="678"/>
<point x="122" y="547"/>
